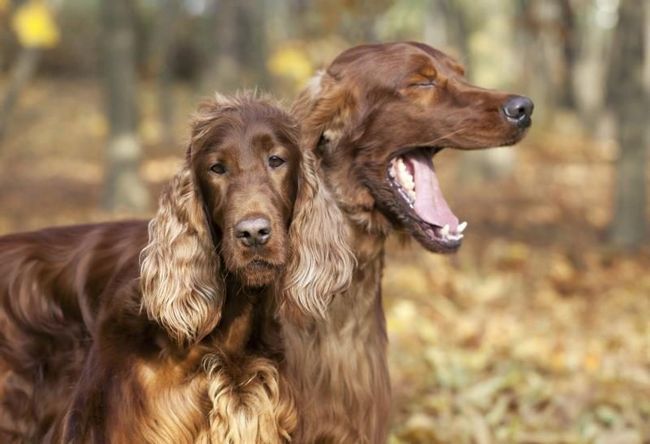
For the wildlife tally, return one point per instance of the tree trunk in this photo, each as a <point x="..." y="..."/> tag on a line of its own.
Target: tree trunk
<point x="465" y="21"/>
<point x="251" y="48"/>
<point x="590" y="71"/>
<point x="164" y="47"/>
<point x="218" y="47"/>
<point x="538" y="73"/>
<point x="629" y="97"/>
<point x="124" y="189"/>
<point x="20" y="75"/>
<point x="280" y="22"/>
<point x="458" y="29"/>
<point x="234" y="44"/>
<point x="568" y="37"/>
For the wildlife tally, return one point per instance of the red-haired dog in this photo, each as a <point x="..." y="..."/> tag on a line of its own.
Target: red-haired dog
<point x="375" y="119"/>
<point x="164" y="331"/>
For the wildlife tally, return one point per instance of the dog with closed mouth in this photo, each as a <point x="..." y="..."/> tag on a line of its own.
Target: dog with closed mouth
<point x="166" y="331"/>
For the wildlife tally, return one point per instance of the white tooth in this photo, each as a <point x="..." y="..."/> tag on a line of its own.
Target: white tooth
<point x="445" y="231"/>
<point x="461" y="227"/>
<point x="411" y="194"/>
<point x="403" y="174"/>
<point x="400" y="179"/>
<point x="404" y="179"/>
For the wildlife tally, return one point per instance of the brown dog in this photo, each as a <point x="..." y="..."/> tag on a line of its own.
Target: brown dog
<point x="375" y="120"/>
<point x="125" y="333"/>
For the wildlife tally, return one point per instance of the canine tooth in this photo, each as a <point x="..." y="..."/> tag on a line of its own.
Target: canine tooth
<point x="461" y="227"/>
<point x="445" y="231"/>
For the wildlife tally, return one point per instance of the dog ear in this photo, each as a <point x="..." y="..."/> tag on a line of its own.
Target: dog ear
<point x="181" y="282"/>
<point x="321" y="262"/>
<point x="326" y="110"/>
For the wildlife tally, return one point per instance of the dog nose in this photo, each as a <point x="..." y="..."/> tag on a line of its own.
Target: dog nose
<point x="253" y="232"/>
<point x="518" y="110"/>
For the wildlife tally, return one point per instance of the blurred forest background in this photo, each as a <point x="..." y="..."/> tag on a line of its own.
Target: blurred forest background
<point x="538" y="330"/>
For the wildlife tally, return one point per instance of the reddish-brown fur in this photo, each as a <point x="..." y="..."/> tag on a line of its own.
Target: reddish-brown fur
<point x="59" y="287"/>
<point x="372" y="103"/>
<point x="162" y="332"/>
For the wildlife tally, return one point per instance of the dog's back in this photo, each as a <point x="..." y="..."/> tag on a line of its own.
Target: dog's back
<point x="161" y="332"/>
<point x="50" y="284"/>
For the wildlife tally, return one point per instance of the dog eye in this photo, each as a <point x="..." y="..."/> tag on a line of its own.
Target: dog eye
<point x="424" y="84"/>
<point x="218" y="168"/>
<point x="275" y="161"/>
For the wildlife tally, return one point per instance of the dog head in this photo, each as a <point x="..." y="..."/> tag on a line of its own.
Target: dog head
<point x="376" y="118"/>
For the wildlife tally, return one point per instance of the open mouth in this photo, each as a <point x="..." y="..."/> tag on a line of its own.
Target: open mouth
<point x="413" y="178"/>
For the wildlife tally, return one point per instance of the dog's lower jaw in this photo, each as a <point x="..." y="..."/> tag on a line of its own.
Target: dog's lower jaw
<point x="258" y="274"/>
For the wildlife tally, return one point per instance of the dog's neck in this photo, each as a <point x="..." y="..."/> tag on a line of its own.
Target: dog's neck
<point x="368" y="246"/>
<point x="247" y="318"/>
<point x="341" y="360"/>
<point x="368" y="231"/>
<point x="368" y="228"/>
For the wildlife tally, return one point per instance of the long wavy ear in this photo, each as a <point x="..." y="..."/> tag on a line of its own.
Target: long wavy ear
<point x="181" y="283"/>
<point x="321" y="263"/>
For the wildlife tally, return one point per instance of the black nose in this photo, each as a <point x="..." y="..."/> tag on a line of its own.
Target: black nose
<point x="518" y="110"/>
<point x="253" y="232"/>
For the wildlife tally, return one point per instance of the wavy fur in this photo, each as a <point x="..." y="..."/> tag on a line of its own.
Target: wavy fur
<point x="365" y="109"/>
<point x="321" y="263"/>
<point x="260" y="413"/>
<point x="180" y="270"/>
<point x="139" y="331"/>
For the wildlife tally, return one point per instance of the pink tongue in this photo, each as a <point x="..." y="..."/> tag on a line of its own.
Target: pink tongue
<point x="430" y="204"/>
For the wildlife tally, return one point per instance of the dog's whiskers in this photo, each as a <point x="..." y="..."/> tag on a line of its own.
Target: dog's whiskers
<point x="438" y="139"/>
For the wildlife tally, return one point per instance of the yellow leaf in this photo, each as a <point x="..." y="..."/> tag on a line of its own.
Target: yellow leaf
<point x="34" y="25"/>
<point x="4" y="5"/>
<point x="292" y="63"/>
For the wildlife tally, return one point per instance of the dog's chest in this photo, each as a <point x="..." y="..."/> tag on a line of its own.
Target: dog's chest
<point x="342" y="364"/>
<point x="218" y="402"/>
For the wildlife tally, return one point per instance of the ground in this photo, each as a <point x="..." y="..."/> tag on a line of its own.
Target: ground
<point x="535" y="332"/>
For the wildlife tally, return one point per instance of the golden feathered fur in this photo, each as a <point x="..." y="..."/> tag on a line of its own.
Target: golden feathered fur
<point x="372" y="104"/>
<point x="165" y="331"/>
